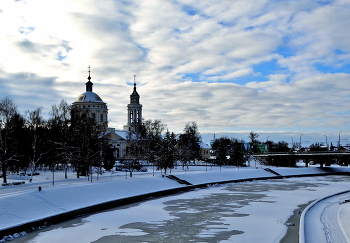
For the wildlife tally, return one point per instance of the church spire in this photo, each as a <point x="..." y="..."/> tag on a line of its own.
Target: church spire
<point x="134" y="82"/>
<point x="89" y="83"/>
<point x="134" y="109"/>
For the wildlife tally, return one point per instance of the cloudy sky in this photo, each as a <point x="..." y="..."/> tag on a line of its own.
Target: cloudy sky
<point x="279" y="68"/>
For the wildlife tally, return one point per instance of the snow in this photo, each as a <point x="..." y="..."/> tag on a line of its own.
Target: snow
<point x="210" y="176"/>
<point x="327" y="219"/>
<point x="24" y="203"/>
<point x="30" y="205"/>
<point x="308" y="170"/>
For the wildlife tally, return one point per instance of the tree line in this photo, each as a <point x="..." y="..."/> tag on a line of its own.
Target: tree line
<point x="233" y="151"/>
<point x="69" y="137"/>
<point x="152" y="143"/>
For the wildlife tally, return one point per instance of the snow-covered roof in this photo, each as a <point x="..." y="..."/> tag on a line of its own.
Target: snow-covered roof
<point x="121" y="133"/>
<point x="89" y="96"/>
<point x="102" y="134"/>
<point x="203" y="145"/>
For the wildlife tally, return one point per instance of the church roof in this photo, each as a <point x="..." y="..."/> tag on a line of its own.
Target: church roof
<point x="89" y="96"/>
<point x="203" y="145"/>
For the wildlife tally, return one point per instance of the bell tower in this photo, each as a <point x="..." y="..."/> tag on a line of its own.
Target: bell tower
<point x="134" y="109"/>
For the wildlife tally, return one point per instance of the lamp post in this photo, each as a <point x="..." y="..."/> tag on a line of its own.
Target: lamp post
<point x="326" y="142"/>
<point x="300" y="141"/>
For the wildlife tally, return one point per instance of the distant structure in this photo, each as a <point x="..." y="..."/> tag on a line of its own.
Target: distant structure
<point x="97" y="109"/>
<point x="204" y="150"/>
<point x="134" y="110"/>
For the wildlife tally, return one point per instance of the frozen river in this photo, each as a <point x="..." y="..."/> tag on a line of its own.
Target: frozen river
<point x="244" y="212"/>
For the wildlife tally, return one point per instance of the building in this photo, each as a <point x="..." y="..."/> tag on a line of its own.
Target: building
<point x="97" y="110"/>
<point x="134" y="110"/>
<point x="204" y="151"/>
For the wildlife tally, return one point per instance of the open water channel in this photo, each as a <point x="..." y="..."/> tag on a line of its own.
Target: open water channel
<point x="243" y="212"/>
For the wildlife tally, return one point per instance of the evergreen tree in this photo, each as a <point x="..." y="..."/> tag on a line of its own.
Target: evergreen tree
<point x="166" y="153"/>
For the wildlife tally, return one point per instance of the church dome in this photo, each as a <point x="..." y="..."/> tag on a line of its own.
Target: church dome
<point x="89" y="96"/>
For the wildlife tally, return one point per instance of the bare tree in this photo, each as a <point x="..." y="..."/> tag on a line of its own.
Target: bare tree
<point x="152" y="133"/>
<point x="7" y="111"/>
<point x="136" y="143"/>
<point x="36" y="125"/>
<point x="253" y="140"/>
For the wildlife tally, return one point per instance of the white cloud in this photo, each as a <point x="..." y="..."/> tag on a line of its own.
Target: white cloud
<point x="177" y="49"/>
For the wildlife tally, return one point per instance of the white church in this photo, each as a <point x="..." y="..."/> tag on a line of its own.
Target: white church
<point x="97" y="110"/>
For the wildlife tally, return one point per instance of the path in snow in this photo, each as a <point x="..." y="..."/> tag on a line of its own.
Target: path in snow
<point x="328" y="220"/>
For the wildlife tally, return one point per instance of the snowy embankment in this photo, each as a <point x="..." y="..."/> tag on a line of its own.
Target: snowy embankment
<point x="24" y="203"/>
<point x="326" y="219"/>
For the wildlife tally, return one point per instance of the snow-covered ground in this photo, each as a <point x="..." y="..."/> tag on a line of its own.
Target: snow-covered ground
<point x="328" y="219"/>
<point x="241" y="212"/>
<point x="24" y="203"/>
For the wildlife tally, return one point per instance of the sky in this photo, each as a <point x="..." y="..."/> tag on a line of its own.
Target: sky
<point x="278" y="68"/>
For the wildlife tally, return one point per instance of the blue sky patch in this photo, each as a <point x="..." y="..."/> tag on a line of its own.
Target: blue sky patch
<point x="60" y="57"/>
<point x="332" y="69"/>
<point x="285" y="51"/>
<point x="195" y="77"/>
<point x="339" y="52"/>
<point x="144" y="50"/>
<point x="248" y="79"/>
<point x="26" y="30"/>
<point x="267" y="68"/>
<point x="189" y="10"/>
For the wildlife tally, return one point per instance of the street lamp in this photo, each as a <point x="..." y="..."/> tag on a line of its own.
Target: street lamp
<point x="300" y="141"/>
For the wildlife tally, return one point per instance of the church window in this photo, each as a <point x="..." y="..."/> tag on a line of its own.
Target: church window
<point x="117" y="151"/>
<point x="101" y="118"/>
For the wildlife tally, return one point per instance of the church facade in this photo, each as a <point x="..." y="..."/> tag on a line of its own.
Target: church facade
<point x="97" y="110"/>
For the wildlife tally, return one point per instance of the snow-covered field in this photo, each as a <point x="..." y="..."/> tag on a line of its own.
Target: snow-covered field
<point x="24" y="203"/>
<point x="241" y="212"/>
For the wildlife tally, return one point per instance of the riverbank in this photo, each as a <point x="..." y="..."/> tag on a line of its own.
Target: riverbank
<point x="25" y="206"/>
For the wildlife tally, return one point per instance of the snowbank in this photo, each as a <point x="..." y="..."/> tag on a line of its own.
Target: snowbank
<point x="24" y="203"/>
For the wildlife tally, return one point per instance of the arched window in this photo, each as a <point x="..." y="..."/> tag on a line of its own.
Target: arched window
<point x="101" y="118"/>
<point x="117" y="152"/>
